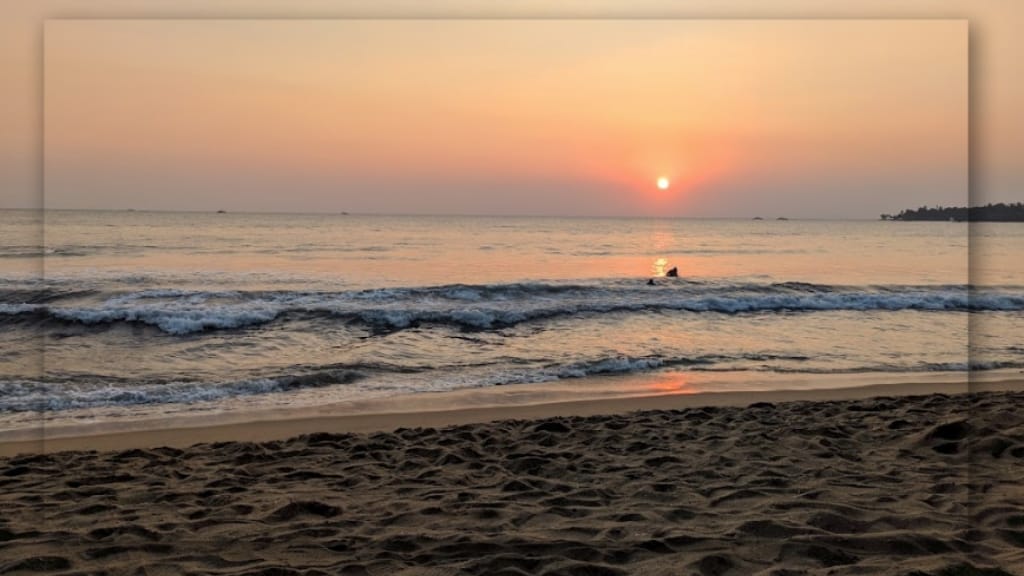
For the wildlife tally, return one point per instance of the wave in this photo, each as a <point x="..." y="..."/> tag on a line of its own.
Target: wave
<point x="595" y="367"/>
<point x="39" y="251"/>
<point x="84" y="392"/>
<point x="22" y="251"/>
<point x="22" y="296"/>
<point x="772" y="363"/>
<point x="978" y="366"/>
<point x="38" y="396"/>
<point x="487" y="307"/>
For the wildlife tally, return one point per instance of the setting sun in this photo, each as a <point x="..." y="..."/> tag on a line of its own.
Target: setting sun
<point x="662" y="183"/>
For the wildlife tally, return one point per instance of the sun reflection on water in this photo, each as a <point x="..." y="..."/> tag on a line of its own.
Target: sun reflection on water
<point x="670" y="384"/>
<point x="658" y="268"/>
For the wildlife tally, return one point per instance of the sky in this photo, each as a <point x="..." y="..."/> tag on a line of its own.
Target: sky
<point x="760" y="117"/>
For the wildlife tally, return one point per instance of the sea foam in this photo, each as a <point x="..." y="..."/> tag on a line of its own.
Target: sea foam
<point x="181" y="312"/>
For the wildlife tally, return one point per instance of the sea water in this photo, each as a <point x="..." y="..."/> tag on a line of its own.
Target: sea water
<point x="114" y="315"/>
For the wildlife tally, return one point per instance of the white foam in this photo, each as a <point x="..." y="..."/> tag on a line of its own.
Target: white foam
<point x="12" y="309"/>
<point x="177" y="320"/>
<point x="177" y="311"/>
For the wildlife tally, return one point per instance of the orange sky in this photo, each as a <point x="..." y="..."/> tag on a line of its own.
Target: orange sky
<point x="805" y="117"/>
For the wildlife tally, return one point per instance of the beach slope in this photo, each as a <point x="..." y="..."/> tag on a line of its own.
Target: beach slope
<point x="885" y="485"/>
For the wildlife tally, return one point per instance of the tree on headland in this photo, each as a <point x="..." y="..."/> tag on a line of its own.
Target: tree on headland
<point x="987" y="213"/>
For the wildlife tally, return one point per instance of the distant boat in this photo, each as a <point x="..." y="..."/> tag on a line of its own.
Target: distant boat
<point x="221" y="212"/>
<point x="344" y="213"/>
<point x="758" y="218"/>
<point x="782" y="218"/>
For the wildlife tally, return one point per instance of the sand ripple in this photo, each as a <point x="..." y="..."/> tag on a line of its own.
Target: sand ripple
<point x="917" y="486"/>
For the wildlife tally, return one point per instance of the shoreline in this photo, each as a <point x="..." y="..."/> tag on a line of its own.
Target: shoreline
<point x="428" y="412"/>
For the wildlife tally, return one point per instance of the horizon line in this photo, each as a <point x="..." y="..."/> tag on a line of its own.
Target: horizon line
<point x="435" y="214"/>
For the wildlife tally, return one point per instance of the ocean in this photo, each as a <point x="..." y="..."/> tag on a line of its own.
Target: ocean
<point x="110" y="316"/>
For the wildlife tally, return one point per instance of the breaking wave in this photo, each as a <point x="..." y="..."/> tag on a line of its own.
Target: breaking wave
<point x="479" y="307"/>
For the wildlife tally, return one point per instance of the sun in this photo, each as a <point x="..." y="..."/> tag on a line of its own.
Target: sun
<point x="663" y="183"/>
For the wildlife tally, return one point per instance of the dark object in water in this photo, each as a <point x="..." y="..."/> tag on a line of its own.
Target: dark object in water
<point x="672" y="273"/>
<point x="650" y="282"/>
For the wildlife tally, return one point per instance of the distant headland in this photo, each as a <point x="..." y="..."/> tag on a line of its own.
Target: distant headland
<point x="987" y="213"/>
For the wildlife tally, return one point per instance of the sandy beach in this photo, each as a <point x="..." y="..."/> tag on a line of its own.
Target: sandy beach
<point x="853" y="481"/>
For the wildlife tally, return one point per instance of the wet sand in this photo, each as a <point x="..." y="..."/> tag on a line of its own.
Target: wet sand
<point x="880" y="483"/>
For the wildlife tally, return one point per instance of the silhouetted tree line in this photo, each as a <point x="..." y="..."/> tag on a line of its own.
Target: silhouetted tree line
<point x="987" y="213"/>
